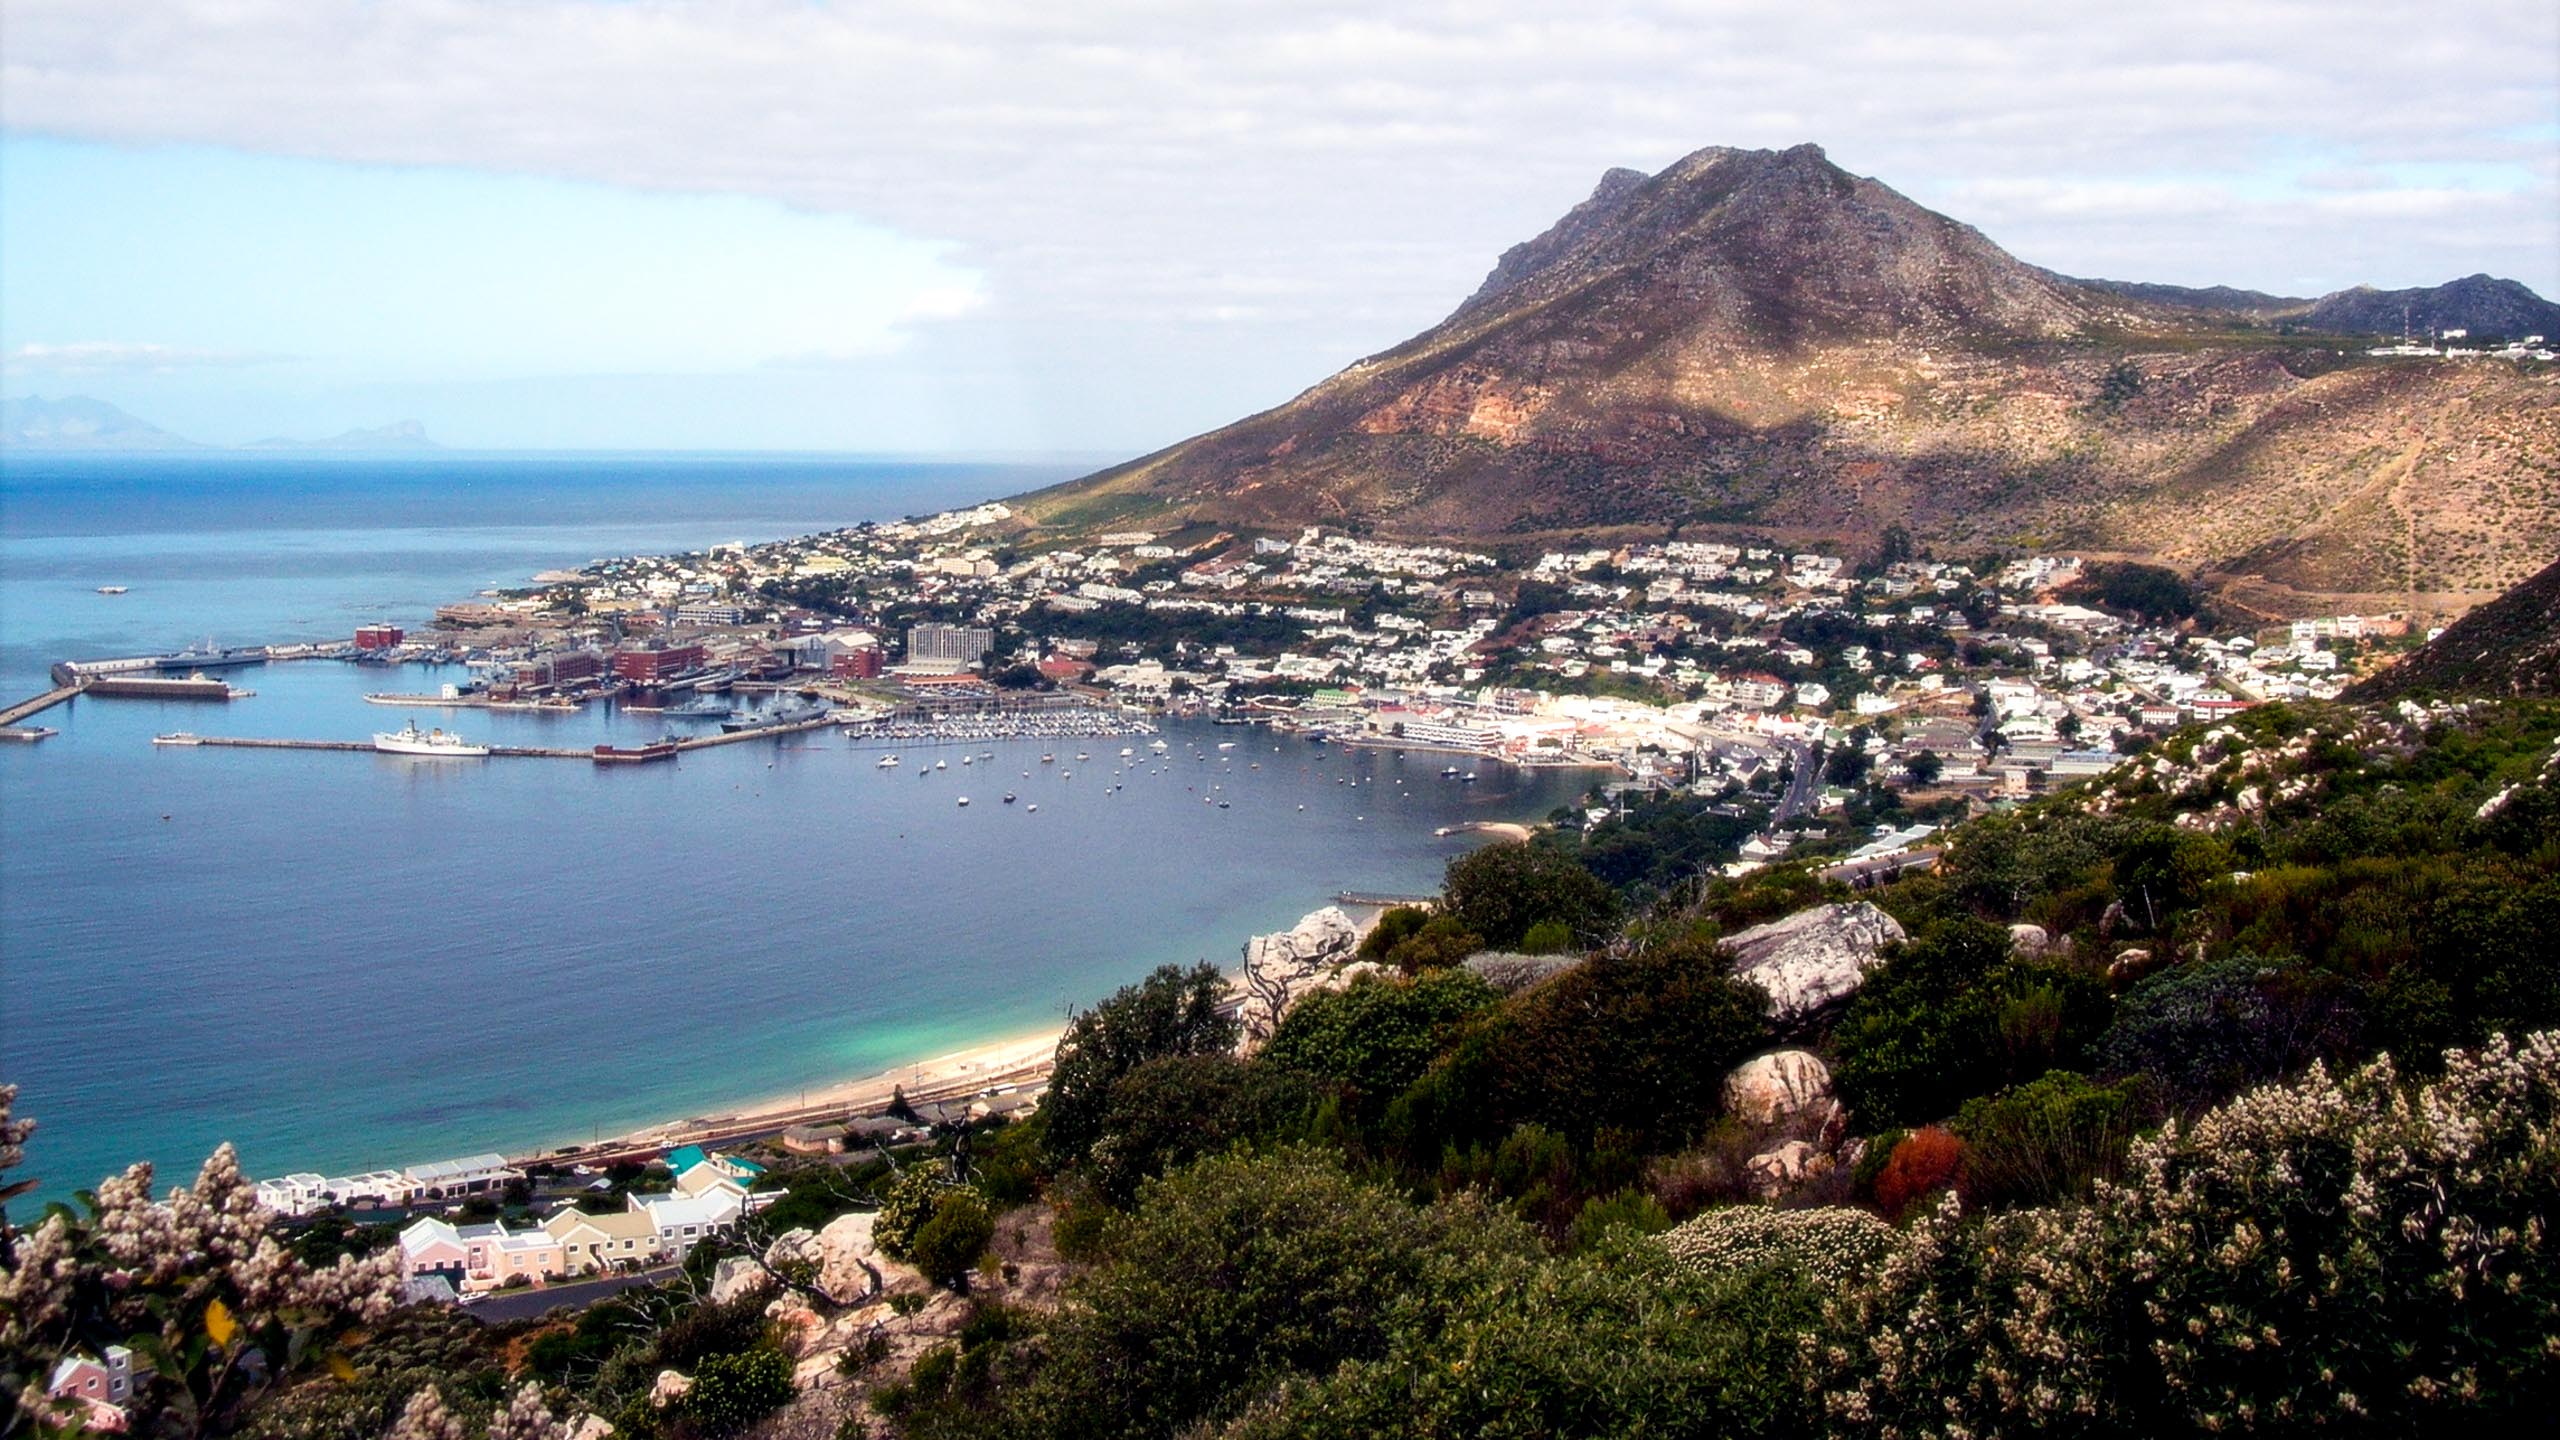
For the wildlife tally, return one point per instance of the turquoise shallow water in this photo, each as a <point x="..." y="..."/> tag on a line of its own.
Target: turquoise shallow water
<point x="344" y="960"/>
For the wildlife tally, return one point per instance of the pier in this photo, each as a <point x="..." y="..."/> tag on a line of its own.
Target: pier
<point x="501" y="752"/>
<point x="28" y="709"/>
<point x="1384" y="901"/>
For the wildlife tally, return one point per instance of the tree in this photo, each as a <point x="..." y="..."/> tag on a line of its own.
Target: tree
<point x="1925" y="767"/>
<point x="1498" y="892"/>
<point x="1370" y="1041"/>
<point x="1173" y="1110"/>
<point x="1171" y="1012"/>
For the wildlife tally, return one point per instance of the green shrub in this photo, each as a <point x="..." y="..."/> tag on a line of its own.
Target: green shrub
<point x="1237" y="1273"/>
<point x="2205" y="1030"/>
<point x="732" y="1392"/>
<point x="2044" y="1141"/>
<point x="1629" y="1211"/>
<point x="1500" y="891"/>
<point x="1618" y="1343"/>
<point x="912" y="1200"/>
<point x="1638" y="1041"/>
<point x="1173" y="1110"/>
<point x="1375" y="1037"/>
<point x="952" y="1238"/>
<point x="1953" y="1014"/>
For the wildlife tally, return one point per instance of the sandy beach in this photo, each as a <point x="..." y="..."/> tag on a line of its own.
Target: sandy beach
<point x="1015" y="1060"/>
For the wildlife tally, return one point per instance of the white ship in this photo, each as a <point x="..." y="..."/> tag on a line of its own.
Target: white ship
<point x="413" y="741"/>
<point x="888" y="762"/>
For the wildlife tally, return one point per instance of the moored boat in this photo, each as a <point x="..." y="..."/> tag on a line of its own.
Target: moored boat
<point x="410" y="740"/>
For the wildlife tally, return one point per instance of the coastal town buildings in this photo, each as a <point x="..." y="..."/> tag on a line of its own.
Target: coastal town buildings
<point x="710" y="1197"/>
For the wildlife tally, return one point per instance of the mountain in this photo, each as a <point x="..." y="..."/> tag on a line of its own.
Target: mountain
<point x="2510" y="646"/>
<point x="1757" y="344"/>
<point x="76" y="422"/>
<point x="399" y="435"/>
<point x="2253" y="304"/>
<point x="2486" y="306"/>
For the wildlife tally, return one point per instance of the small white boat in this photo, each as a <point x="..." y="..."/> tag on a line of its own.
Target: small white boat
<point x="1126" y="752"/>
<point x="1226" y="744"/>
<point x="177" y="737"/>
<point x="112" y="589"/>
<point x="964" y="802"/>
<point x="1031" y="809"/>
<point x="887" y="762"/>
<point x="1080" y="755"/>
<point x="941" y="764"/>
<point x="1048" y="759"/>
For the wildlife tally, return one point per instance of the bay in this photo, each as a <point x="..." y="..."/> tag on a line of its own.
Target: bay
<point x="342" y="960"/>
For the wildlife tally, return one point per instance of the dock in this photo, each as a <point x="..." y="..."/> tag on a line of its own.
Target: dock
<point x="27" y="709"/>
<point x="1383" y="901"/>
<point x="507" y="752"/>
<point x="515" y="752"/>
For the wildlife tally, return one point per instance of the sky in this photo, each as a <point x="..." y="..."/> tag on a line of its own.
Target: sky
<point x="983" y="226"/>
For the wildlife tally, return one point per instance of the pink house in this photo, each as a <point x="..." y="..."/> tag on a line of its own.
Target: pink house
<point x="95" y="1389"/>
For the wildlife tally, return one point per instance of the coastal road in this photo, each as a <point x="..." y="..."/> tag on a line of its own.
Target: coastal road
<point x="508" y="1305"/>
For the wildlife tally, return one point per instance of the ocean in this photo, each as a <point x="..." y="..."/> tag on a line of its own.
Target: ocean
<point x="344" y="960"/>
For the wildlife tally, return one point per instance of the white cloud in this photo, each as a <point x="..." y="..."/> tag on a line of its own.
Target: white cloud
<point x="1119" y="169"/>
<point x="121" y="357"/>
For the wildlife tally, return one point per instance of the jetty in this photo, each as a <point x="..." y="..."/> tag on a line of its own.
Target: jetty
<point x="1383" y="900"/>
<point x="513" y="752"/>
<point x="28" y="709"/>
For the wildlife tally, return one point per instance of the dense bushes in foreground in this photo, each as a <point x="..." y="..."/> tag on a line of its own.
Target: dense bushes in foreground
<point x="2359" y="1255"/>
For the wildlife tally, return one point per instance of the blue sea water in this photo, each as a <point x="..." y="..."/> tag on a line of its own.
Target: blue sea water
<point x="343" y="960"/>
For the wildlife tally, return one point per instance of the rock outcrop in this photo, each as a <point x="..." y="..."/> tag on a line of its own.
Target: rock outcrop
<point x="1814" y="958"/>
<point x="736" y="1276"/>
<point x="1284" y="965"/>
<point x="1790" y="1088"/>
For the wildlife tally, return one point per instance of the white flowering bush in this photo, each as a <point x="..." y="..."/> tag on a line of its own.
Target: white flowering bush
<point x="2353" y="1254"/>
<point x="192" y="1283"/>
<point x="1833" y="1246"/>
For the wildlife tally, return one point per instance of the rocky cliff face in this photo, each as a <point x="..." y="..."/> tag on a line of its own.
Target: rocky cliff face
<point x="1756" y="343"/>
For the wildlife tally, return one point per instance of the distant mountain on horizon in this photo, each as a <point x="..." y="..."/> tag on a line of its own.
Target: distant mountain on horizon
<point x="1755" y="344"/>
<point x="81" y="423"/>
<point x="398" y="435"/>
<point x="77" y="422"/>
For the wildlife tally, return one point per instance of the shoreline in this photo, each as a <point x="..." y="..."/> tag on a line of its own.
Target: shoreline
<point x="1013" y="1060"/>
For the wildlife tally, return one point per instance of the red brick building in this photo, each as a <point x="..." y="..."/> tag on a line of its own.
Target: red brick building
<point x="379" y="637"/>
<point x="650" y="665"/>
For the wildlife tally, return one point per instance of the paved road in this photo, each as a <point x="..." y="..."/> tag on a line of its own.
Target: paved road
<point x="525" y="1304"/>
<point x="1801" y="790"/>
